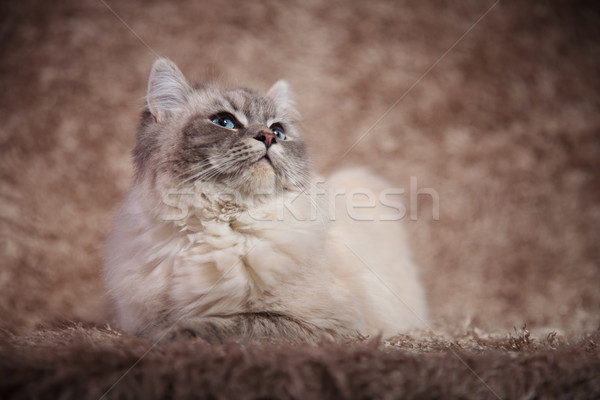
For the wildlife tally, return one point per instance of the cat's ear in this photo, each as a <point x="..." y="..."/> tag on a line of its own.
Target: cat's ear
<point x="282" y="94"/>
<point x="167" y="90"/>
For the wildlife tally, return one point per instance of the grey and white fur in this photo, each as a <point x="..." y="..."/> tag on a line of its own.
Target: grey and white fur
<point x="218" y="238"/>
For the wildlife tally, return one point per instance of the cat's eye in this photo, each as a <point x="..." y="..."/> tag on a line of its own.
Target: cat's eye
<point x="278" y="130"/>
<point x="225" y="120"/>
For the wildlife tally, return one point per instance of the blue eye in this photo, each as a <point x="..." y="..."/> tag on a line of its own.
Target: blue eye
<point x="224" y="120"/>
<point x="278" y="130"/>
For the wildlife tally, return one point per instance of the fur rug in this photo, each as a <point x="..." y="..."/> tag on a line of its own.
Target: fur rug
<point x="78" y="363"/>
<point x="499" y="115"/>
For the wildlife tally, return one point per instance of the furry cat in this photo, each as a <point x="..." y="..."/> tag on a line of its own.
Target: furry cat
<point x="222" y="236"/>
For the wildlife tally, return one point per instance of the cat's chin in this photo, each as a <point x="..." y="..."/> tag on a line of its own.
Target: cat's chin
<point x="264" y="162"/>
<point x="260" y="178"/>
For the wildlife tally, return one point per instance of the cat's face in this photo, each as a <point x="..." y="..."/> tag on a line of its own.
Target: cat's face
<point x="205" y="135"/>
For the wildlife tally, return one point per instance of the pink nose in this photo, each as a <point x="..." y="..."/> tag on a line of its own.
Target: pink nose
<point x="267" y="138"/>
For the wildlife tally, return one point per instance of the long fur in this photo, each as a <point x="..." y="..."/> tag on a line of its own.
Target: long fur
<point x="252" y="253"/>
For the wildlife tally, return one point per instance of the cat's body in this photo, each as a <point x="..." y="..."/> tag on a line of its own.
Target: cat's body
<point x="222" y="235"/>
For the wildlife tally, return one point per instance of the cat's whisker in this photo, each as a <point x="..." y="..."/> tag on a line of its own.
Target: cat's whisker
<point x="300" y="182"/>
<point x="194" y="168"/>
<point x="207" y="173"/>
<point x="195" y="176"/>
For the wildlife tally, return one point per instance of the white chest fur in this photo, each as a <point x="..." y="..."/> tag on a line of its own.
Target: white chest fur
<point x="333" y="274"/>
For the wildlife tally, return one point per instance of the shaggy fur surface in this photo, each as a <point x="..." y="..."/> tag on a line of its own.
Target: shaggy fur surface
<point x="505" y="128"/>
<point x="81" y="363"/>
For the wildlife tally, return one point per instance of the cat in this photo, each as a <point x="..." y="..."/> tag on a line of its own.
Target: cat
<point x="221" y="236"/>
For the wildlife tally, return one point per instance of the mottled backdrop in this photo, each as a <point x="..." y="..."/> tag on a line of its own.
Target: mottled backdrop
<point x="500" y="117"/>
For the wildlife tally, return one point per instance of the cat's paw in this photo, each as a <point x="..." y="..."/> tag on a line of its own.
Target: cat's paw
<point x="208" y="330"/>
<point x="176" y="332"/>
<point x="185" y="333"/>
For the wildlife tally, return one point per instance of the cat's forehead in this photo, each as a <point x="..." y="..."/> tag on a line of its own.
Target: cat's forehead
<point x="253" y="106"/>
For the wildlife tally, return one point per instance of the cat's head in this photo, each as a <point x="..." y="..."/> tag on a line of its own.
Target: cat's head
<point x="235" y="140"/>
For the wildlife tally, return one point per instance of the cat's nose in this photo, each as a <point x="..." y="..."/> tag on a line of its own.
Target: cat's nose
<point x="267" y="138"/>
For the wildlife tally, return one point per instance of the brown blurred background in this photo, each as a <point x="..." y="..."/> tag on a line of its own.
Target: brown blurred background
<point x="506" y="129"/>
